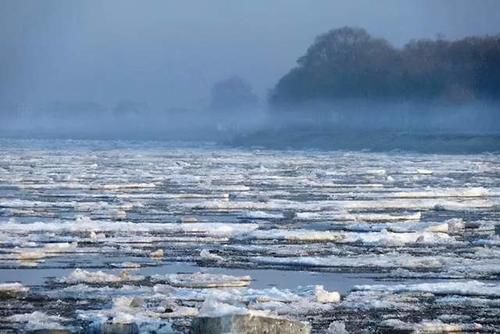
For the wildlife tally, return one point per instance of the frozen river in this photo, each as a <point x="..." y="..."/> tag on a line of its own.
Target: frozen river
<point x="154" y="234"/>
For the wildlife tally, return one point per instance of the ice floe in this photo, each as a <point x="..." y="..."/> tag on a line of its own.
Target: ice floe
<point x="84" y="276"/>
<point x="202" y="280"/>
<point x="467" y="288"/>
<point x="38" y="320"/>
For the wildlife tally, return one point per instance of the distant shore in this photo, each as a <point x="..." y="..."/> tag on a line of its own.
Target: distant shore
<point x="377" y="141"/>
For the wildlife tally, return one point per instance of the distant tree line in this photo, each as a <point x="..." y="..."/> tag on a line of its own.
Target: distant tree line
<point x="348" y="63"/>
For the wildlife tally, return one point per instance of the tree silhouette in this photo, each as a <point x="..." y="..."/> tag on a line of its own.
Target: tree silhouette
<point x="348" y="63"/>
<point x="231" y="94"/>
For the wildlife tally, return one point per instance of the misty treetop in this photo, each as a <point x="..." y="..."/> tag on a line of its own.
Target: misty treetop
<point x="349" y="63"/>
<point x="232" y="93"/>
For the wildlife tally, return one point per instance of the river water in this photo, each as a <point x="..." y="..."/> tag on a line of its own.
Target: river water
<point x="84" y="225"/>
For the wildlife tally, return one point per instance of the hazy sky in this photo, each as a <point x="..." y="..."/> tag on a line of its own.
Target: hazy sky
<point x="169" y="53"/>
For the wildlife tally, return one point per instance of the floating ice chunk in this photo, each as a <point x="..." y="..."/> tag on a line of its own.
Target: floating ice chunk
<point x="388" y="238"/>
<point x="127" y="302"/>
<point x="83" y="276"/>
<point x="300" y="307"/>
<point x="337" y="327"/>
<point x="476" y="192"/>
<point x="201" y="280"/>
<point x="391" y="260"/>
<point x="311" y="215"/>
<point x="302" y="235"/>
<point x="429" y="326"/>
<point x="157" y="253"/>
<point x="248" y="323"/>
<point x="323" y="296"/>
<point x="99" y="292"/>
<point x="180" y="312"/>
<point x="424" y="171"/>
<point x="120" y="326"/>
<point x="48" y="250"/>
<point x="207" y="256"/>
<point x="212" y="307"/>
<point x="390" y="217"/>
<point x="361" y="216"/>
<point x="9" y="290"/>
<point x="61" y="247"/>
<point x="442" y="193"/>
<point x="18" y="287"/>
<point x="110" y="186"/>
<point x="462" y="301"/>
<point x="438" y="228"/>
<point x="409" y="202"/>
<point x="85" y="224"/>
<point x="188" y="220"/>
<point x="97" y="236"/>
<point x="411" y="227"/>
<point x="466" y="288"/>
<point x="455" y="226"/>
<point x="30" y="254"/>
<point x="263" y="215"/>
<point x="275" y="294"/>
<point x="376" y="172"/>
<point x="383" y="237"/>
<point x="125" y="265"/>
<point x="367" y="300"/>
<point x="38" y="320"/>
<point x="125" y="315"/>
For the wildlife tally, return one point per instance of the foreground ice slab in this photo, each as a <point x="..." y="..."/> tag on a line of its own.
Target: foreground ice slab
<point x="247" y="324"/>
<point x="216" y="317"/>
